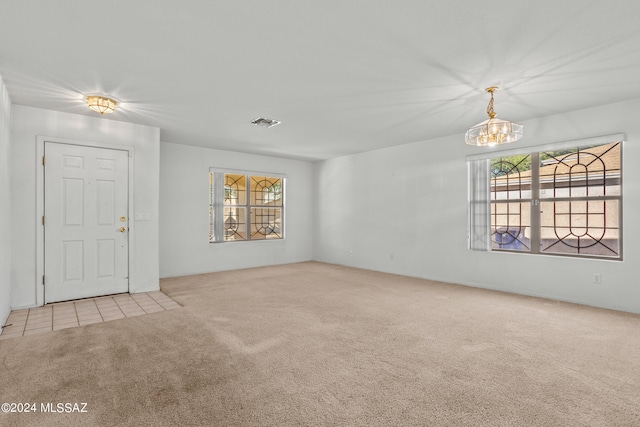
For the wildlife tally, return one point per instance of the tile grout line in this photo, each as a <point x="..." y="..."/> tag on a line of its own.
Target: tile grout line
<point x="141" y="308"/>
<point x="98" y="308"/>
<point x="155" y="300"/>
<point x="26" y="321"/>
<point x="24" y="326"/>
<point x="116" y="305"/>
<point x="94" y="306"/>
<point x="136" y="302"/>
<point x="149" y="296"/>
<point x="75" y="310"/>
<point x="160" y="304"/>
<point x="24" y="331"/>
<point x="31" y="311"/>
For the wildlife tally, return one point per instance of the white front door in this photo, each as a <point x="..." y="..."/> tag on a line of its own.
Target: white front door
<point x="86" y="235"/>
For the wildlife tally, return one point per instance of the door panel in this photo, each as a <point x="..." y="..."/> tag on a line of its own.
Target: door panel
<point x="106" y="202"/>
<point x="73" y="201"/>
<point x="72" y="260"/>
<point x="86" y="204"/>
<point x="106" y="257"/>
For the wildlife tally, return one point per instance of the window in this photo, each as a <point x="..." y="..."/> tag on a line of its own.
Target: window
<point x="510" y="202"/>
<point x="562" y="201"/>
<point x="245" y="207"/>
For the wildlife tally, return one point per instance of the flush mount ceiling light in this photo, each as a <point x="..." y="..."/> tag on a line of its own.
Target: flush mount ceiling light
<point x="101" y="104"/>
<point x="493" y="131"/>
<point x="267" y="123"/>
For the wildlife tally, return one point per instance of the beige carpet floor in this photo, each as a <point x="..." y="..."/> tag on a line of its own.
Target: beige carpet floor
<point x="312" y="344"/>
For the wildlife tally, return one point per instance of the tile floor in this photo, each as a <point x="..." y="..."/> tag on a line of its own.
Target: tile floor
<point x="71" y="314"/>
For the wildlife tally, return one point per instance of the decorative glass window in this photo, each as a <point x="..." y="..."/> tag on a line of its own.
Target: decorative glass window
<point x="510" y="203"/>
<point x="564" y="202"/>
<point x="581" y="200"/>
<point x="245" y="207"/>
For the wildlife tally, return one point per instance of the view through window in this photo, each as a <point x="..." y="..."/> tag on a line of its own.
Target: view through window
<point x="245" y="207"/>
<point x="558" y="202"/>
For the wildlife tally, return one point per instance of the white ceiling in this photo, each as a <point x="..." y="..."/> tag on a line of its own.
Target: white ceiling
<point x="343" y="76"/>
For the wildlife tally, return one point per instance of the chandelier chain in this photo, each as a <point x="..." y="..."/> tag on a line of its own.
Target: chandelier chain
<point x="490" y="111"/>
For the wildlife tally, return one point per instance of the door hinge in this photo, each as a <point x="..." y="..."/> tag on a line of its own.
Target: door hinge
<point x="42" y="219"/>
<point x="43" y="160"/>
<point x="42" y="280"/>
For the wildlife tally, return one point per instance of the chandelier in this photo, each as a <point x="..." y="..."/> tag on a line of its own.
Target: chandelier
<point x="493" y="131"/>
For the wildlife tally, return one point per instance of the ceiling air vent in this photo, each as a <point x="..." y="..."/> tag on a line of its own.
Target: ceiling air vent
<point x="267" y="123"/>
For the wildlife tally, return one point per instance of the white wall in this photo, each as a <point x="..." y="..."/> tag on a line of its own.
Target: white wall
<point x="27" y="124"/>
<point x="403" y="210"/>
<point x="5" y="212"/>
<point x="184" y="212"/>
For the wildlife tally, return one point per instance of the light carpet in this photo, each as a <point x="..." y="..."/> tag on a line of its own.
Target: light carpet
<point x="313" y="344"/>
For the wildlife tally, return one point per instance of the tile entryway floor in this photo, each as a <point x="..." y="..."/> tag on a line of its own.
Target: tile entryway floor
<point x="71" y="314"/>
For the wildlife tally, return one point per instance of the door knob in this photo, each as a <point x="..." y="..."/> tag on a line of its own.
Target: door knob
<point x="123" y="229"/>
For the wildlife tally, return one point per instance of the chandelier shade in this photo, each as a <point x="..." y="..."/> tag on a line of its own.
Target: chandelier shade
<point x="493" y="131"/>
<point x="101" y="104"/>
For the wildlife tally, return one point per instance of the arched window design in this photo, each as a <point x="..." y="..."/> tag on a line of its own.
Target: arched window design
<point x="266" y="207"/>
<point x="510" y="201"/>
<point x="565" y="200"/>
<point x="580" y="201"/>
<point x="245" y="207"/>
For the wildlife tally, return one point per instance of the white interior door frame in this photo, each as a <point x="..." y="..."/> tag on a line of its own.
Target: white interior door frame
<point x="40" y="141"/>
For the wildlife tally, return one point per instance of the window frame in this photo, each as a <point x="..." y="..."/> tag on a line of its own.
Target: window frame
<point x="481" y="240"/>
<point x="217" y="192"/>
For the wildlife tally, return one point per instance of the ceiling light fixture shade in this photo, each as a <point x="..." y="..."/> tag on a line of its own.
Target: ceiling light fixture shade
<point x="101" y="104"/>
<point x="493" y="131"/>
